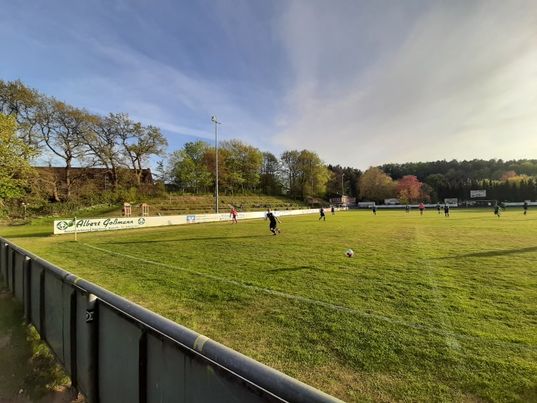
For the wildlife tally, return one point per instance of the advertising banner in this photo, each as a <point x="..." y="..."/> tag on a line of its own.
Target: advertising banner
<point x="478" y="193"/>
<point x="72" y="225"/>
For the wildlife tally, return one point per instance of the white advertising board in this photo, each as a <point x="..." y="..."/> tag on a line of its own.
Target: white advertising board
<point x="70" y="226"/>
<point x="478" y="193"/>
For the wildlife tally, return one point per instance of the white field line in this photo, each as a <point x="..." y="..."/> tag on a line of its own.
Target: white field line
<point x="445" y="320"/>
<point x="324" y="304"/>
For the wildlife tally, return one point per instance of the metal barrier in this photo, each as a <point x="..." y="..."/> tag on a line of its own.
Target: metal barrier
<point x="116" y="351"/>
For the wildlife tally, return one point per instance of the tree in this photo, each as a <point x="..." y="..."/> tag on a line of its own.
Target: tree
<point x="312" y="174"/>
<point x="427" y="193"/>
<point x="188" y="168"/>
<point x="376" y="185"/>
<point x="242" y="164"/>
<point x="270" y="181"/>
<point x="23" y="103"/>
<point x="63" y="128"/>
<point x="408" y="189"/>
<point x="104" y="142"/>
<point x="508" y="175"/>
<point x="344" y="180"/>
<point x="15" y="170"/>
<point x="291" y="169"/>
<point x="139" y="143"/>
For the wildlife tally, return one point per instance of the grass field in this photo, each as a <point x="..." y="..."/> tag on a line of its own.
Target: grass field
<point x="428" y="309"/>
<point x="28" y="371"/>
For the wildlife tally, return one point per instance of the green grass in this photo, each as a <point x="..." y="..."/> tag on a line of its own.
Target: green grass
<point x="28" y="369"/>
<point x="428" y="309"/>
<point x="176" y="204"/>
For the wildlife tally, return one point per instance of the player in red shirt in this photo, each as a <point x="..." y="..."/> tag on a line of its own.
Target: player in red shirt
<point x="233" y="214"/>
<point x="421" y="207"/>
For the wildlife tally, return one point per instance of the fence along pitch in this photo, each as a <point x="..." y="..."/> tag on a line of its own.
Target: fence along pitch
<point x="88" y="347"/>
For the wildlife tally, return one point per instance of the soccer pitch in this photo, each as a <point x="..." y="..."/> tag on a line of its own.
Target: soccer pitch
<point x="429" y="308"/>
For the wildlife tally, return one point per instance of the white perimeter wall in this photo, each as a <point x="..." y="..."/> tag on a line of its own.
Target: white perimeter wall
<point x="70" y="226"/>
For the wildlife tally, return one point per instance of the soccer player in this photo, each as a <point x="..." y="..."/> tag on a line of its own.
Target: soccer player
<point x="407" y="208"/>
<point x="438" y="207"/>
<point x="446" y="210"/>
<point x="525" y="207"/>
<point x="497" y="210"/>
<point x="321" y="215"/>
<point x="374" y="209"/>
<point x="273" y="225"/>
<point x="421" y="207"/>
<point x="333" y="210"/>
<point x="233" y="214"/>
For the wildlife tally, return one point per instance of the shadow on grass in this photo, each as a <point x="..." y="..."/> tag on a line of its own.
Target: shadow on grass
<point x="41" y="234"/>
<point x="492" y="253"/>
<point x="297" y="268"/>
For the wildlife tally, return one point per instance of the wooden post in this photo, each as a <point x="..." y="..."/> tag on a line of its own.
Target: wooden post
<point x="127" y="209"/>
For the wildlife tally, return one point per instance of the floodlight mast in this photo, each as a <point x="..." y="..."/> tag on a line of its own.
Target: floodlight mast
<point x="216" y="123"/>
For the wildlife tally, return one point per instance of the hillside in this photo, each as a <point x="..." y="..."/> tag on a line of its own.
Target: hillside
<point x="176" y="204"/>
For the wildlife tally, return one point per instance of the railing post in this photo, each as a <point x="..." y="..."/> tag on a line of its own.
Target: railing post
<point x="27" y="288"/>
<point x="3" y="271"/>
<point x="11" y="269"/>
<point x="42" y="330"/>
<point x="92" y="321"/>
<point x="142" y="367"/>
<point x="73" y="342"/>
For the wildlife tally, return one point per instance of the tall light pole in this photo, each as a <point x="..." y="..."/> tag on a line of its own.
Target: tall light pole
<point x="216" y="123"/>
<point x="342" y="186"/>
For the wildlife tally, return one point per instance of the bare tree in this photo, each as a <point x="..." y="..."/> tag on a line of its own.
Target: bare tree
<point x="139" y="143"/>
<point x="105" y="145"/>
<point x="63" y="128"/>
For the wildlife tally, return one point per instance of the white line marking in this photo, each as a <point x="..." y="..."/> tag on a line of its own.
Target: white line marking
<point x="445" y="321"/>
<point x="324" y="304"/>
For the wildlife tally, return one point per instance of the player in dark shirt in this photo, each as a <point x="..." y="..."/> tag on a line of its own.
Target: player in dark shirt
<point x="374" y="209"/>
<point x="446" y="210"/>
<point x="273" y="225"/>
<point x="525" y="207"/>
<point x="321" y="214"/>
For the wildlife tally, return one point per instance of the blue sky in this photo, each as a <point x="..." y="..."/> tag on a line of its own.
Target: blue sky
<point x="360" y="83"/>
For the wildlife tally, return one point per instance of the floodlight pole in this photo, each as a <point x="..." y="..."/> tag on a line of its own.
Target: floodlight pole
<point x="216" y="123"/>
<point x="342" y="186"/>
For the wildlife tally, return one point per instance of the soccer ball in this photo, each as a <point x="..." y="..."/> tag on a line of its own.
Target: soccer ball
<point x="349" y="253"/>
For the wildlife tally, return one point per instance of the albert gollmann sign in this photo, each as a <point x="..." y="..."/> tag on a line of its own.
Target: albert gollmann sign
<point x="71" y="226"/>
<point x="96" y="224"/>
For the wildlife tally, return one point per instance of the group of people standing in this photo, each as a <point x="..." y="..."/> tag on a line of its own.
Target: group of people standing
<point x="274" y="220"/>
<point x="421" y="207"/>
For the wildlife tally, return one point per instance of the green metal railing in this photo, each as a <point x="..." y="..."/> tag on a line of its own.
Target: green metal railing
<point x="116" y="351"/>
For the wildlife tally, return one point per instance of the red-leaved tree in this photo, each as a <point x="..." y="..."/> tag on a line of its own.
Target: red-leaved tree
<point x="408" y="189"/>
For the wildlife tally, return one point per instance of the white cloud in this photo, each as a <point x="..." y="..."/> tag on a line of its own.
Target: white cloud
<point x="459" y="82"/>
